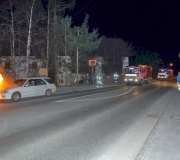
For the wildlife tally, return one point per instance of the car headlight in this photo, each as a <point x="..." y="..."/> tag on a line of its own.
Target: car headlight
<point x="5" y="91"/>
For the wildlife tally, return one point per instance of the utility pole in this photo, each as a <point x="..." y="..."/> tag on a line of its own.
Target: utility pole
<point x="92" y="74"/>
<point x="77" y="60"/>
<point x="65" y="53"/>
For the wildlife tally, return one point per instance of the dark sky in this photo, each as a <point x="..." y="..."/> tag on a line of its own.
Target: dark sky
<point x="151" y="24"/>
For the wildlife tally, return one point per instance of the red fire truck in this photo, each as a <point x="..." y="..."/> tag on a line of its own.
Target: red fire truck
<point x="137" y="74"/>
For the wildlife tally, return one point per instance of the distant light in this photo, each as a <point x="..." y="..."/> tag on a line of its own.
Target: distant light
<point x="171" y="64"/>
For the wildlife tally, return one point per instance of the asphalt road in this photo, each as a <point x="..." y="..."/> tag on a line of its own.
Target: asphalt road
<point x="111" y="123"/>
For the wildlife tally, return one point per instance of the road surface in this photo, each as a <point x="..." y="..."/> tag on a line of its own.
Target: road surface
<point x="113" y="123"/>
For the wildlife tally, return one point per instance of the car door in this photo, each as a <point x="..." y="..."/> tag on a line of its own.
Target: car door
<point x="41" y="87"/>
<point x="29" y="88"/>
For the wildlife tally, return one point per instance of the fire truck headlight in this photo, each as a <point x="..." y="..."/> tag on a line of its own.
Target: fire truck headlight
<point x="125" y="79"/>
<point x="136" y="80"/>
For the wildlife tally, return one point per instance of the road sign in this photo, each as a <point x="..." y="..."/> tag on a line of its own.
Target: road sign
<point x="92" y="63"/>
<point x="43" y="72"/>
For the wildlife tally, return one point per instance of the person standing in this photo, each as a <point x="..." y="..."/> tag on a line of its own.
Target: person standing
<point x="178" y="80"/>
<point x="178" y="77"/>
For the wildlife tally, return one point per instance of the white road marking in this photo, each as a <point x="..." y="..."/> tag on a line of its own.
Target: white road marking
<point x="63" y="92"/>
<point x="76" y="99"/>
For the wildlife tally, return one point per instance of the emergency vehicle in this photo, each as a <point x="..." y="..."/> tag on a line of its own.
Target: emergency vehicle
<point x="165" y="74"/>
<point x="137" y="74"/>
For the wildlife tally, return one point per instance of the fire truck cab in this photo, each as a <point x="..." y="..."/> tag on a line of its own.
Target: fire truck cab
<point x="137" y="74"/>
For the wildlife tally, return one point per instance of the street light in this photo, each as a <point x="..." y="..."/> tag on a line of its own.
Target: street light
<point x="171" y="64"/>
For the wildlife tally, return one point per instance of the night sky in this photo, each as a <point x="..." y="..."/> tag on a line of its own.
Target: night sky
<point x="151" y="24"/>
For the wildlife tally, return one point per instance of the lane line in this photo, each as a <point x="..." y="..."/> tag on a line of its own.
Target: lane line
<point x="76" y="99"/>
<point x="63" y="92"/>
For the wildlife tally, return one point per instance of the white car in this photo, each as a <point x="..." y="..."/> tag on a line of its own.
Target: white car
<point x="29" y="87"/>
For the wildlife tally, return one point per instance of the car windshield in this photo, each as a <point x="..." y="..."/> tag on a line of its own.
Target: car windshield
<point x="131" y="71"/>
<point x="20" y="82"/>
<point x="162" y="71"/>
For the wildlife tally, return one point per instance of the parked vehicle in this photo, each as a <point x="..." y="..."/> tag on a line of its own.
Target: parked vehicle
<point x="165" y="74"/>
<point x="28" y="87"/>
<point x="138" y="74"/>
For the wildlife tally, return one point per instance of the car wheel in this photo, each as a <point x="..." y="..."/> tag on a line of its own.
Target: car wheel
<point x="48" y="93"/>
<point x="16" y="96"/>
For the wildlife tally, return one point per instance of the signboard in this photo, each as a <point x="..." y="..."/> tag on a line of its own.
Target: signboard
<point x="92" y="63"/>
<point x="43" y="72"/>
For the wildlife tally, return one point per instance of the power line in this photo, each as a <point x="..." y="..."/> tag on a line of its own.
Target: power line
<point x="85" y="7"/>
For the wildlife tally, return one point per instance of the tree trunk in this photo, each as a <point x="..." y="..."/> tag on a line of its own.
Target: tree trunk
<point x="48" y="36"/>
<point x="55" y="45"/>
<point x="13" y="44"/>
<point x="29" y="40"/>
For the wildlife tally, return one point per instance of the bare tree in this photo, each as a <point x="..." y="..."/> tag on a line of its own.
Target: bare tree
<point x="29" y="36"/>
<point x="10" y="21"/>
<point x="34" y="16"/>
<point x="28" y="27"/>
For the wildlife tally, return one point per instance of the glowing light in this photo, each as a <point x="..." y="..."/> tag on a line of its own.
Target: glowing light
<point x="1" y="78"/>
<point x="171" y="64"/>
